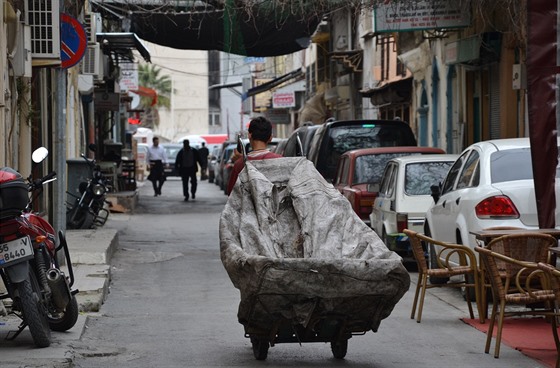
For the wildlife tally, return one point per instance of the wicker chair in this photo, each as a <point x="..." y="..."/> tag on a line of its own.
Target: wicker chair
<point x="554" y="274"/>
<point x="526" y="246"/>
<point x="523" y="284"/>
<point x="467" y="267"/>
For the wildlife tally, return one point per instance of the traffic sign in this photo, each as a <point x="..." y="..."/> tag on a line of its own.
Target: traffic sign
<point x="73" y="41"/>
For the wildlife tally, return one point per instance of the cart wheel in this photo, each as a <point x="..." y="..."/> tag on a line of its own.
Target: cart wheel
<point x="260" y="348"/>
<point x="339" y="348"/>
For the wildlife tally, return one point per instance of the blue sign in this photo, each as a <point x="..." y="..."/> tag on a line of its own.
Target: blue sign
<point x="254" y="59"/>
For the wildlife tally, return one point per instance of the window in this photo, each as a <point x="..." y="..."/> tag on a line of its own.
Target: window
<point x="501" y="163"/>
<point x="469" y="172"/>
<point x="419" y="177"/>
<point x="449" y="182"/>
<point x="385" y="180"/>
<point x="369" y="169"/>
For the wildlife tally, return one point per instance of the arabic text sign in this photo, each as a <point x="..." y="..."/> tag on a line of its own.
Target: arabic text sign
<point x="129" y="77"/>
<point x="283" y="99"/>
<point x="407" y="16"/>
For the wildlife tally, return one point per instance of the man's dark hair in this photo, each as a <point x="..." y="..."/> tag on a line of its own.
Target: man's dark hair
<point x="260" y="129"/>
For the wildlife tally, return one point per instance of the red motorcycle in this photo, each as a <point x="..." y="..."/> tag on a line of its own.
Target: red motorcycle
<point x="41" y="293"/>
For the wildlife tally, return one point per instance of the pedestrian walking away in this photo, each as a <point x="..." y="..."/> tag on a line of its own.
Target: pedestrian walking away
<point x="156" y="158"/>
<point x="186" y="165"/>
<point x="203" y="153"/>
<point x="260" y="134"/>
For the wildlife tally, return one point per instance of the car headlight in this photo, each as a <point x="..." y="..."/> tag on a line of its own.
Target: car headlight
<point x="98" y="189"/>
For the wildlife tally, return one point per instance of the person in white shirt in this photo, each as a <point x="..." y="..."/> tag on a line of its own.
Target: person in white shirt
<point x="156" y="158"/>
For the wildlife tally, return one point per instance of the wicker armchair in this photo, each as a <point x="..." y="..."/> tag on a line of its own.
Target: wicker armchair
<point x="522" y="284"/>
<point x="466" y="267"/>
<point x="525" y="246"/>
<point x="554" y="274"/>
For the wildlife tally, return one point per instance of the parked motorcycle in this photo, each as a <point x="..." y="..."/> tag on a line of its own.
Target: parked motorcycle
<point x="42" y="294"/>
<point x="88" y="210"/>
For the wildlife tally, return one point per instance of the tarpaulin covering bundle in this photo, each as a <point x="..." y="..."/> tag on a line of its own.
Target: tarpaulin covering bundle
<point x="295" y="249"/>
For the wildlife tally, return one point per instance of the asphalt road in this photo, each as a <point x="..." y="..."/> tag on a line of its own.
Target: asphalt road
<point x="171" y="304"/>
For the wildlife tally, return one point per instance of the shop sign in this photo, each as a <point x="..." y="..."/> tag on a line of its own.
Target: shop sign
<point x="129" y="77"/>
<point x="106" y="101"/>
<point x="261" y="101"/>
<point x="406" y="16"/>
<point x="283" y="99"/>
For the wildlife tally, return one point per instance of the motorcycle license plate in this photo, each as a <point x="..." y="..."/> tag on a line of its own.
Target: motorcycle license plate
<point x="16" y="250"/>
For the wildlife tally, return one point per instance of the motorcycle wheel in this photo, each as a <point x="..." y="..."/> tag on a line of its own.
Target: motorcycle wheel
<point x="79" y="218"/>
<point x="67" y="319"/>
<point x="34" y="314"/>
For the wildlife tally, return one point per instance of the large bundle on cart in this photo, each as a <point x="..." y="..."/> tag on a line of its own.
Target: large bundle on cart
<point x="308" y="269"/>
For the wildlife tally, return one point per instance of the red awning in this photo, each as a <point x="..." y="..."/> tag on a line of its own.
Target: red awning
<point x="215" y="138"/>
<point x="147" y="92"/>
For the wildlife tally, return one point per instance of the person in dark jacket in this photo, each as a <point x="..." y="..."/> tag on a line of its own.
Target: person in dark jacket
<point x="203" y="153"/>
<point x="186" y="165"/>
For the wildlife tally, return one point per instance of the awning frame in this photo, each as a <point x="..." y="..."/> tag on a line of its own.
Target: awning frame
<point x="122" y="44"/>
<point x="271" y="84"/>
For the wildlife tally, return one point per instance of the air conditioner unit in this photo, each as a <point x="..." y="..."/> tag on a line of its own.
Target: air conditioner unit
<point x="92" y="63"/>
<point x="92" y="26"/>
<point x="22" y="57"/>
<point x="44" y="18"/>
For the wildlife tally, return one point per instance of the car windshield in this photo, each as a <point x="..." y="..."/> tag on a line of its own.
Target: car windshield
<point x="420" y="176"/>
<point x="511" y="165"/>
<point x="369" y="168"/>
<point x="171" y="151"/>
<point x="345" y="138"/>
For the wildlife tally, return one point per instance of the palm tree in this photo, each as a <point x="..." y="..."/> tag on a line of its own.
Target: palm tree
<point x="149" y="77"/>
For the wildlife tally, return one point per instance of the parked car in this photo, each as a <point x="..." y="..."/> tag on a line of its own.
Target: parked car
<point x="279" y="148"/>
<point x="333" y="138"/>
<point x="226" y="165"/>
<point x="490" y="185"/>
<point x="305" y="134"/>
<point x="212" y="159"/>
<point x="358" y="174"/>
<point x="405" y="196"/>
<point x="171" y="150"/>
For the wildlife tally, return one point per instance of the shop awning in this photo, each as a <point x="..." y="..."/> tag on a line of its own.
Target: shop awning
<point x="122" y="44"/>
<point x="314" y="110"/>
<point x="273" y="83"/>
<point x="393" y="92"/>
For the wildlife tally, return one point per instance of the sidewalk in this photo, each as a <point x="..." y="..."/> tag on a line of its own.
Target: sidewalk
<point x="91" y="251"/>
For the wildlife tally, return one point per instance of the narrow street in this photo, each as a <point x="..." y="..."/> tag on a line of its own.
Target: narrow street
<point x="171" y="304"/>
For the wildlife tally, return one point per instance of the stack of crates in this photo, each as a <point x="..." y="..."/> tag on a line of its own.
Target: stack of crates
<point x="128" y="174"/>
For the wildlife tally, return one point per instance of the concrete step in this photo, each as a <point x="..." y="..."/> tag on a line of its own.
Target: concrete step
<point x="91" y="252"/>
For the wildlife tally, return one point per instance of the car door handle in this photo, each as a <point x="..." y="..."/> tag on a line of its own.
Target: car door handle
<point x="458" y="200"/>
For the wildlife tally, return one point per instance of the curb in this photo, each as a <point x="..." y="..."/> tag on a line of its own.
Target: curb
<point x="91" y="252"/>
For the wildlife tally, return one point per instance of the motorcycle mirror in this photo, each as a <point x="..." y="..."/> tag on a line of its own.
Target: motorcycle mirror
<point x="39" y="154"/>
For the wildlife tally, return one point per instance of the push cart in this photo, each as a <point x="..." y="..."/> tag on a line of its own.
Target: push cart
<point x="308" y="269"/>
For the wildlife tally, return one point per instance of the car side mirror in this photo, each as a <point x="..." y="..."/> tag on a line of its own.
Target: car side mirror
<point x="436" y="192"/>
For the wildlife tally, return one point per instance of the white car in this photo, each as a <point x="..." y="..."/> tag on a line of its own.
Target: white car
<point x="490" y="185"/>
<point x="404" y="197"/>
